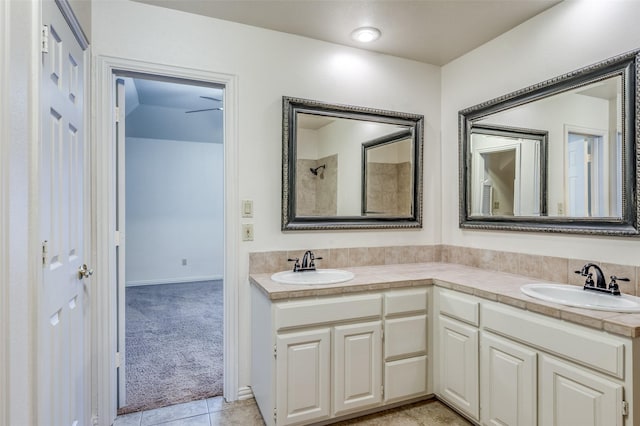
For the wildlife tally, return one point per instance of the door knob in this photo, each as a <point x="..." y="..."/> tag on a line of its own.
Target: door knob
<point x="84" y="271"/>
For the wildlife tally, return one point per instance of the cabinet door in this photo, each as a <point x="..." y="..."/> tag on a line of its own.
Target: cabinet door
<point x="303" y="376"/>
<point x="458" y="370"/>
<point x="572" y="395"/>
<point x="357" y="366"/>
<point x="508" y="377"/>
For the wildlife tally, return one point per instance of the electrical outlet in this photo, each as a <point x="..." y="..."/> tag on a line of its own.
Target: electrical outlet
<point x="560" y="209"/>
<point x="184" y="262"/>
<point x="496" y="205"/>
<point x="247" y="232"/>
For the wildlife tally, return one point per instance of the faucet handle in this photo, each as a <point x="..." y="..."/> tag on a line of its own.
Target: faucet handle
<point x="613" y="285"/>
<point x="578" y="272"/>
<point x="614" y="279"/>
<point x="589" y="281"/>
<point x="296" y="265"/>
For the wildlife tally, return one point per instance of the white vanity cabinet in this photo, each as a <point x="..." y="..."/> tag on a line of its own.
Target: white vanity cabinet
<point x="357" y="379"/>
<point x="303" y="387"/>
<point x="314" y="359"/>
<point x="508" y="377"/>
<point x="406" y="345"/>
<point x="457" y="351"/>
<point x="571" y="395"/>
<point x="533" y="369"/>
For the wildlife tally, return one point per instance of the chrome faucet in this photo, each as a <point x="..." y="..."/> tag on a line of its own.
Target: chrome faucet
<point x="600" y="284"/>
<point x="308" y="262"/>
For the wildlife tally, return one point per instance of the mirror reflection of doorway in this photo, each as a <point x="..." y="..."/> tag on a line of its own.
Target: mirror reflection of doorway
<point x="499" y="182"/>
<point x="586" y="190"/>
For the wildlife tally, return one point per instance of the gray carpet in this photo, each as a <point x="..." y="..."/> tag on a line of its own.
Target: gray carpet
<point x="173" y="344"/>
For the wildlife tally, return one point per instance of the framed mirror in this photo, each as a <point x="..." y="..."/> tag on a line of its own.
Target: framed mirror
<point x="350" y="167"/>
<point x="559" y="156"/>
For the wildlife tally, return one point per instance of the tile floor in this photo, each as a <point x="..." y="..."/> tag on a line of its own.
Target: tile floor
<point x="217" y="412"/>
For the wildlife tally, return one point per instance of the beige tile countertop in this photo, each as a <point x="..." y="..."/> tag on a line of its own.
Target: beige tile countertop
<point x="491" y="285"/>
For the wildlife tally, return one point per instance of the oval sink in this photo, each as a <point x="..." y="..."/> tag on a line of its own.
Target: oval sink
<point x="317" y="277"/>
<point x="571" y="295"/>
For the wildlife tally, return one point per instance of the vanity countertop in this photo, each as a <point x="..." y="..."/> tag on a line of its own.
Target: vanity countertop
<point x="491" y="285"/>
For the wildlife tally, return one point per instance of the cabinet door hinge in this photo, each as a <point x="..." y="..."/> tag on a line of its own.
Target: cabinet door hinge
<point x="116" y="112"/>
<point x="625" y="408"/>
<point x="275" y="351"/>
<point x="275" y="416"/>
<point x="45" y="252"/>
<point x="116" y="238"/>
<point x="382" y="391"/>
<point x="45" y="39"/>
<point x="118" y="360"/>
<point x="382" y="334"/>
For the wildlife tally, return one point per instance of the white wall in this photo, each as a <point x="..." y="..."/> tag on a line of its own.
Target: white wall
<point x="174" y="211"/>
<point x="269" y="65"/>
<point x="544" y="47"/>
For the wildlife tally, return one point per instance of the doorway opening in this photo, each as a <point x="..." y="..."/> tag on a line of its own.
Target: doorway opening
<point x="586" y="181"/>
<point x="170" y="257"/>
<point x="499" y="195"/>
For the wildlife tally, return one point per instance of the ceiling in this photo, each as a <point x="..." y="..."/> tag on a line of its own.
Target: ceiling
<point x="430" y="31"/>
<point x="170" y="94"/>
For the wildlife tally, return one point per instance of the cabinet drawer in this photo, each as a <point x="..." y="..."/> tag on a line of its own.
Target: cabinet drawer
<point x="320" y="311"/>
<point x="405" y="336"/>
<point x="459" y="306"/>
<point x="405" y="378"/>
<point x="405" y="301"/>
<point x="586" y="347"/>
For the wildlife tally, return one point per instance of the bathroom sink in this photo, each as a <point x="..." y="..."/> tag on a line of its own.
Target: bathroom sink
<point x="317" y="277"/>
<point x="575" y="296"/>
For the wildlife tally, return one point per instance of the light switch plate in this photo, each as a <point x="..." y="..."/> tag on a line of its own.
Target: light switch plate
<point x="247" y="208"/>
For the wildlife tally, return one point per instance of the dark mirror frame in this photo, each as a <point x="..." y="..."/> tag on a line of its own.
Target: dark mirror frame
<point x="626" y="66"/>
<point x="291" y="106"/>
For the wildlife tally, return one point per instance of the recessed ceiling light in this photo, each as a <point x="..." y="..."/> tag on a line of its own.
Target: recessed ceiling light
<point x="366" y="34"/>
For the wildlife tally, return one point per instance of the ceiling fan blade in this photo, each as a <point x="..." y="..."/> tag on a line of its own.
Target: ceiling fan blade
<point x="209" y="97"/>
<point x="202" y="110"/>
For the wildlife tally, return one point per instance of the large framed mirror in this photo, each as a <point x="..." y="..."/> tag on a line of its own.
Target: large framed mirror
<point x="558" y="156"/>
<point x="350" y="167"/>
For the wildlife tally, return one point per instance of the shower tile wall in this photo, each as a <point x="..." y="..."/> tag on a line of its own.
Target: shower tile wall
<point x="388" y="188"/>
<point x="317" y="195"/>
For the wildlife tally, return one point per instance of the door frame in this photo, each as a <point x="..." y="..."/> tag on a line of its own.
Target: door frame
<point x="104" y="213"/>
<point x="4" y="214"/>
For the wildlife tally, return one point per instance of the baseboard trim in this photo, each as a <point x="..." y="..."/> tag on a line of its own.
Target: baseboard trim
<point x="245" y="392"/>
<point x="173" y="280"/>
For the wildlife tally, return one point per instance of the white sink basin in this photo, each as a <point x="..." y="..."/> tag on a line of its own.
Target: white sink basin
<point x="571" y="295"/>
<point x="317" y="277"/>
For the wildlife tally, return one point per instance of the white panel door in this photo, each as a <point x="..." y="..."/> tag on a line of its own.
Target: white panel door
<point x="303" y="377"/>
<point x="458" y="354"/>
<point x="62" y="364"/>
<point x="508" y="377"/>
<point x="357" y="357"/>
<point x="571" y="395"/>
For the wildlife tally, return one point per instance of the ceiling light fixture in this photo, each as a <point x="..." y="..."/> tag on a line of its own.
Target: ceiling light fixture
<point x="366" y="34"/>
